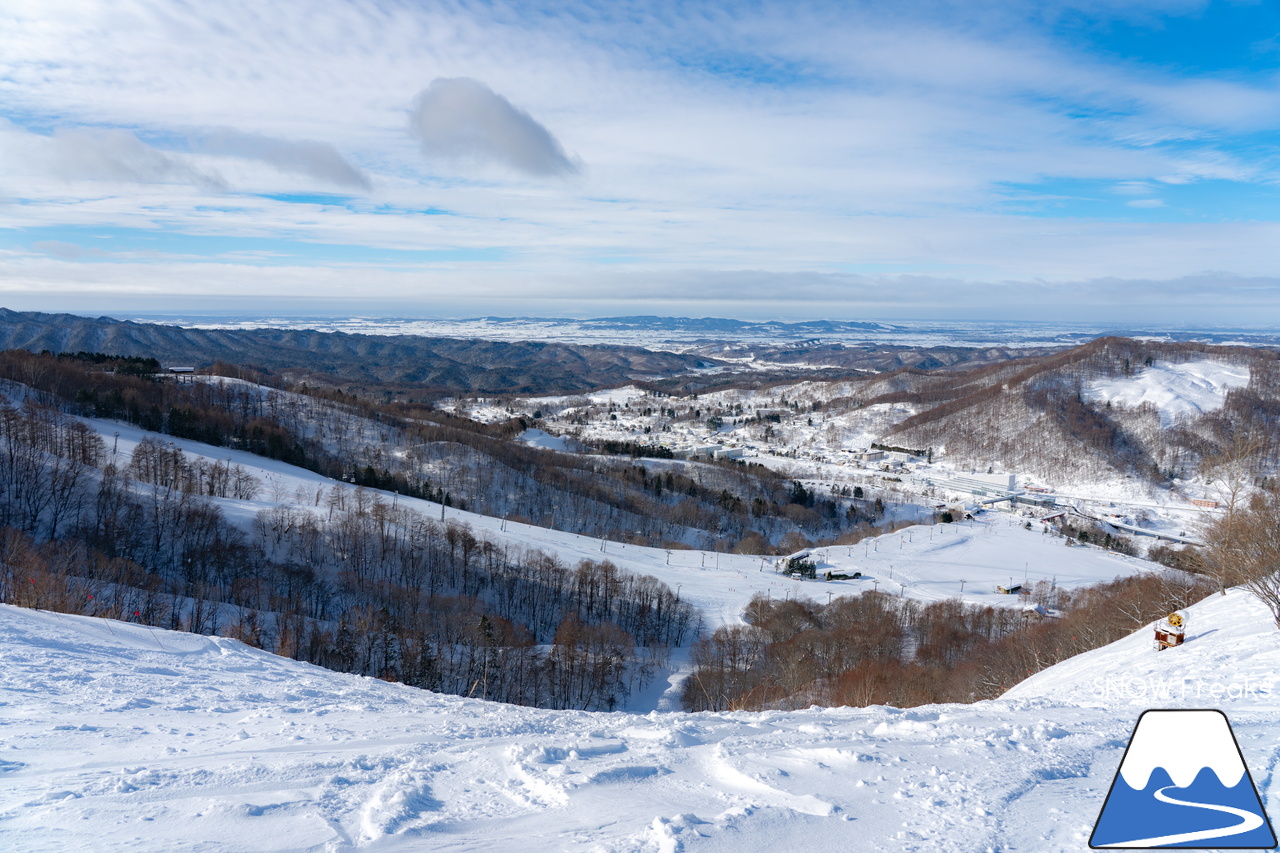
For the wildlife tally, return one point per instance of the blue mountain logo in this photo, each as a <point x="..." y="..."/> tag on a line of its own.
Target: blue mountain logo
<point x="1183" y="784"/>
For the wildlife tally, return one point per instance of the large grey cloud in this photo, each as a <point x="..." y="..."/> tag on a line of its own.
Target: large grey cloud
<point x="458" y="118"/>
<point x="300" y="156"/>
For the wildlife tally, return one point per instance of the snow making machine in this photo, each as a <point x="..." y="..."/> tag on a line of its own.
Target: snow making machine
<point x="1171" y="630"/>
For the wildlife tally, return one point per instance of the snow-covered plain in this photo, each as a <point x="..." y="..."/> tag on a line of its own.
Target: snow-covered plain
<point x="120" y="737"/>
<point x="671" y="333"/>
<point x="538" y="438"/>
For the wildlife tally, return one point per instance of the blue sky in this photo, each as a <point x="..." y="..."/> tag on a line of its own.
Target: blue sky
<point x="1071" y="159"/>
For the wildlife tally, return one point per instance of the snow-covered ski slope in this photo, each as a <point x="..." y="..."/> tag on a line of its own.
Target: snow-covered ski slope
<point x="121" y="737"/>
<point x="967" y="560"/>
<point x="1177" y="390"/>
<point x="1231" y="635"/>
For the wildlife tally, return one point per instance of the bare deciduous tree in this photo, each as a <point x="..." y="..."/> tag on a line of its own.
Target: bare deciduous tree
<point x="1243" y="548"/>
<point x="1230" y="468"/>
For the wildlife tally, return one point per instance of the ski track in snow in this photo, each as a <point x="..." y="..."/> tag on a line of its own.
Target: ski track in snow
<point x="118" y="737"/>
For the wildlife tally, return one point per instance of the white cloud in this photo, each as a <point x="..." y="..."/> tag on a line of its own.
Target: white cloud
<point x="791" y="138"/>
<point x="97" y="154"/>
<point x="116" y="155"/>
<point x="457" y="289"/>
<point x="1133" y="188"/>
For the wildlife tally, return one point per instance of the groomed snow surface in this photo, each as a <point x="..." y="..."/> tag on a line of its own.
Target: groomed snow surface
<point x="121" y="737"/>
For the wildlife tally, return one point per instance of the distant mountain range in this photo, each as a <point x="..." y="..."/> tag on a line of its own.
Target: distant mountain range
<point x="716" y="351"/>
<point x="431" y="364"/>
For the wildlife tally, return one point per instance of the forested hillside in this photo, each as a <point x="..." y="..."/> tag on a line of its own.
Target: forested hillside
<point x="355" y="582"/>
<point x="409" y="367"/>
<point x="351" y="575"/>
<point x="423" y="452"/>
<point x="877" y="649"/>
<point x="1037" y="416"/>
<point x="348" y="577"/>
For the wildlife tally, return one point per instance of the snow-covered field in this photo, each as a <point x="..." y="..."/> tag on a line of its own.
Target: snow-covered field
<point x="1177" y="390"/>
<point x="121" y="737"/>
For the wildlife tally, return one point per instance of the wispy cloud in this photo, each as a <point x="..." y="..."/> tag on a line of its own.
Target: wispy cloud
<point x="995" y="144"/>
<point x="301" y="156"/>
<point x="97" y="154"/>
<point x="113" y="154"/>
<point x="464" y="120"/>
<point x="65" y="251"/>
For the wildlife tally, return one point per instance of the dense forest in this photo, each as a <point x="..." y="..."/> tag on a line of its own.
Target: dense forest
<point x="878" y="649"/>
<point x="424" y="369"/>
<point x="404" y="366"/>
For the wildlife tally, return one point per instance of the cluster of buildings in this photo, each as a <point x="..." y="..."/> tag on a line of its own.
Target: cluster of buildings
<point x="707" y="451"/>
<point x="978" y="485"/>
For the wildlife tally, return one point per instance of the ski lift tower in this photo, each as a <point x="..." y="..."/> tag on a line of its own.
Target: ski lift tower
<point x="1171" y="630"/>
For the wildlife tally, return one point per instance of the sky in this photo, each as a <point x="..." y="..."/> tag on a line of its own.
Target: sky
<point x="1060" y="159"/>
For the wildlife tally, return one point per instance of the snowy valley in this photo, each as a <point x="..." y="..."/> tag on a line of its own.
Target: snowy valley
<point x="124" y="735"/>
<point x="482" y="426"/>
